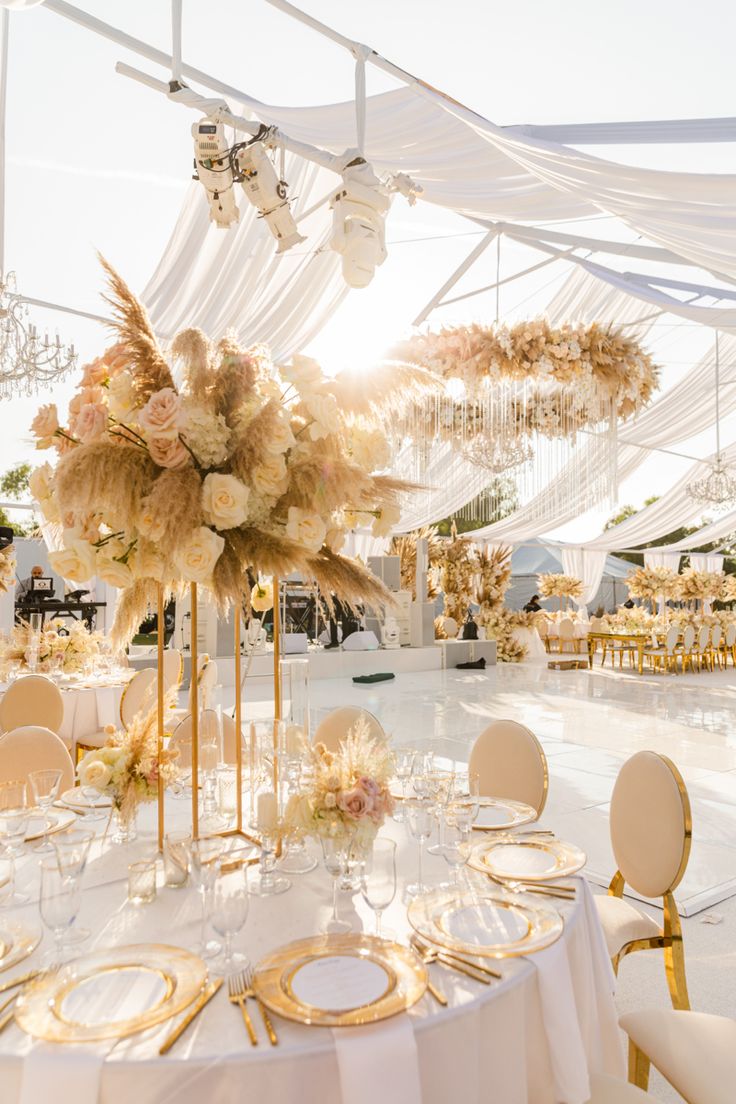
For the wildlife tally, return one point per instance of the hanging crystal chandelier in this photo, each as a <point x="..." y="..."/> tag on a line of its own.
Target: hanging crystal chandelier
<point x="497" y="455"/>
<point x="718" y="488"/>
<point x="27" y="362"/>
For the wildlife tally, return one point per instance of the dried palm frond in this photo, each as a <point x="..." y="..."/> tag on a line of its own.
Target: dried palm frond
<point x="386" y="489"/>
<point x="103" y="477"/>
<point x="270" y="553"/>
<point x="176" y="498"/>
<point x="234" y="380"/>
<point x="349" y="579"/>
<point x="326" y="482"/>
<point x="133" y="605"/>
<point x="388" y="388"/>
<point x="194" y="349"/>
<point x="228" y="578"/>
<point x="135" y="334"/>
<point x="405" y="547"/>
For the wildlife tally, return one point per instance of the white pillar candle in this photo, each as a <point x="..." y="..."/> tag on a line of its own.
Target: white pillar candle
<point x="294" y="738"/>
<point x="267" y="812"/>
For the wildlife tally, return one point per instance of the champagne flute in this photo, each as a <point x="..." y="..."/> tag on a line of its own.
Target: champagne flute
<point x="335" y="850"/>
<point x="404" y="759"/>
<point x="378" y="879"/>
<point x="72" y="852"/>
<point x="58" y="904"/>
<point x="230" y="900"/>
<point x="420" y="818"/>
<point x="205" y="853"/>
<point x="45" y="787"/>
<point x="440" y="783"/>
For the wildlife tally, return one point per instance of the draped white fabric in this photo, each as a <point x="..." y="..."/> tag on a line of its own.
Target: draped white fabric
<point x="714" y="531"/>
<point x="584" y="565"/>
<point x="662" y="559"/>
<point x="706" y="561"/>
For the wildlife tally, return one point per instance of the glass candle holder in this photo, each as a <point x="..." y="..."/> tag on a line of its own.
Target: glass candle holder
<point x="177" y="858"/>
<point x="142" y="882"/>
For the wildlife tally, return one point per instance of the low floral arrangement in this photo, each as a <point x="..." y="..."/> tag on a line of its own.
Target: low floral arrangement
<point x="653" y="583"/>
<point x="234" y="465"/>
<point x="638" y="619"/>
<point x="348" y="794"/>
<point x="63" y="647"/>
<point x="126" y="768"/>
<point x="7" y="569"/>
<point x="559" y="586"/>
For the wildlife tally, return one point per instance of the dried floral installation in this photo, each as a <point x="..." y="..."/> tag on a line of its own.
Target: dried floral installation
<point x="455" y="579"/>
<point x="405" y="547"/>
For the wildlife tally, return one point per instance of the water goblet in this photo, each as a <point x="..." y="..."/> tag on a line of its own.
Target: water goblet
<point x="404" y="764"/>
<point x="378" y="879"/>
<point x="420" y="819"/>
<point x="423" y="763"/>
<point x="72" y="852"/>
<point x="14" y="817"/>
<point x="230" y="900"/>
<point x="204" y="854"/>
<point x="45" y="788"/>
<point x="335" y="850"/>
<point x="58" y="904"/>
<point x="440" y="783"/>
<point x="98" y="806"/>
<point x="454" y="852"/>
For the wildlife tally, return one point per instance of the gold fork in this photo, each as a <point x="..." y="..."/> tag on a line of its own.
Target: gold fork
<point x="249" y="992"/>
<point x="236" y="988"/>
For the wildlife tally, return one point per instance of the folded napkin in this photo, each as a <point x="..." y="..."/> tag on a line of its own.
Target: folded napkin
<point x="472" y="665"/>
<point x="377" y="1062"/>
<point x="63" y="1073"/>
<point x="381" y="676"/>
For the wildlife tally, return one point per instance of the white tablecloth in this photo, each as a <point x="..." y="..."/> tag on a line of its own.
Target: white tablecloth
<point x="531" y="1039"/>
<point x="580" y="629"/>
<point x="535" y="650"/>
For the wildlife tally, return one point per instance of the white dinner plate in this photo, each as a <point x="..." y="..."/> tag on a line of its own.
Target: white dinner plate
<point x="526" y="860"/>
<point x="58" y="820"/>
<point x="77" y="801"/>
<point x="497" y="814"/>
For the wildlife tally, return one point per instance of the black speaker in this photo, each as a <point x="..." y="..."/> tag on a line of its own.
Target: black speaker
<point x="6" y="536"/>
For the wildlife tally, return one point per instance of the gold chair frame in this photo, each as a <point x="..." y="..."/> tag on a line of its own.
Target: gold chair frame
<point x="670" y="938"/>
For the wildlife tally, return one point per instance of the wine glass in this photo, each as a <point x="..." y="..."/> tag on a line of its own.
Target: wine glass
<point x="205" y="853"/>
<point x="420" y="818"/>
<point x="335" y="850"/>
<point x="378" y="879"/>
<point x="7" y="881"/>
<point x="230" y="899"/>
<point x="14" y="817"/>
<point x="58" y="904"/>
<point x="72" y="852"/>
<point x="404" y="764"/>
<point x="97" y="805"/>
<point x="423" y="763"/>
<point x="440" y="783"/>
<point x="454" y="851"/>
<point x="45" y="788"/>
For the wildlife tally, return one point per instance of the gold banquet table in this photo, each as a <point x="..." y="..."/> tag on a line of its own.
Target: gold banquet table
<point x="635" y="640"/>
<point x="532" y="1038"/>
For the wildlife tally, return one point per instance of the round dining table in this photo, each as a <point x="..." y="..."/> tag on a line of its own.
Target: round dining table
<point x="90" y="704"/>
<point x="532" y="1037"/>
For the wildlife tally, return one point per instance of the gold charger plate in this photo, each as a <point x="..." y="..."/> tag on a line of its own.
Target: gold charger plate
<point x="18" y="940"/>
<point x="484" y="923"/>
<point x="513" y="859"/>
<point x="501" y="814"/>
<point x="58" y="820"/>
<point x="340" y="980"/>
<point x="111" y="994"/>
<point x="76" y="800"/>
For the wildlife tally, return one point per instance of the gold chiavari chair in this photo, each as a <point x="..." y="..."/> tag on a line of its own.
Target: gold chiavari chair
<point x="664" y="657"/>
<point x="716" y="639"/>
<point x="728" y="646"/>
<point x="702" y="647"/>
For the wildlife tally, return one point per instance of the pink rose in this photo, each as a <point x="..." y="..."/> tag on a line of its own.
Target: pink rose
<point x="168" y="452"/>
<point x="162" y="415"/>
<point x="355" y="803"/>
<point x="94" y="395"/>
<point x="46" y="422"/>
<point x="94" y="372"/>
<point x="90" y="422"/>
<point x="115" y="358"/>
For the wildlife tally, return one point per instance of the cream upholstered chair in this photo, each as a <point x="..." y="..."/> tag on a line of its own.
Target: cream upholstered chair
<point x="181" y="738"/>
<point x="702" y="647"/>
<point x="32" y="700"/>
<point x="694" y="1051"/>
<point x="664" y="657"/>
<point x="173" y="668"/>
<point x="608" y="1090"/>
<point x="566" y="636"/>
<point x="716" y="640"/>
<point x="31" y="748"/>
<point x="541" y="624"/>
<point x="729" y="645"/>
<point x="510" y="762"/>
<point x="685" y="649"/>
<point x="333" y="728"/>
<point x="139" y="695"/>
<point x="651" y="830"/>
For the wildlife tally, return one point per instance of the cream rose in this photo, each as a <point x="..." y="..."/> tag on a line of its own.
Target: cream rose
<point x="76" y="562"/>
<point x="224" y="501"/>
<point x="303" y="372"/>
<point x="281" y="438"/>
<point x="114" y="572"/>
<point x="270" y="477"/>
<point x="197" y="558"/>
<point x="306" y="528"/>
<point x="150" y="524"/>
<point x="168" y="452"/>
<point x="41" y="482"/>
<point x="335" y="539"/>
<point x="326" y="414"/>
<point x="148" y="564"/>
<point x="45" y="424"/>
<point x="90" y="422"/>
<point x="261" y="597"/>
<point x="94" y="773"/>
<point x="94" y="372"/>
<point x="121" y="396"/>
<point x="388" y="516"/>
<point x="49" y="507"/>
<point x="162" y="414"/>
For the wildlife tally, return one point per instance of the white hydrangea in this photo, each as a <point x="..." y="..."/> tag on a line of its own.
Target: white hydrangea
<point x="206" y="433"/>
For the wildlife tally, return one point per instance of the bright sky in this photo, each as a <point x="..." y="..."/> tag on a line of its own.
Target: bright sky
<point x="96" y="161"/>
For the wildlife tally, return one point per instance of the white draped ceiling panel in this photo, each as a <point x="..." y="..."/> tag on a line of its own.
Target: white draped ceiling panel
<point x="662" y="558"/>
<point x="585" y="565"/>
<point x="706" y="561"/>
<point x="713" y="531"/>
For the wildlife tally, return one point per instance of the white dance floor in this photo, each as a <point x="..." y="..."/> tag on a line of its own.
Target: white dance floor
<point x="588" y="722"/>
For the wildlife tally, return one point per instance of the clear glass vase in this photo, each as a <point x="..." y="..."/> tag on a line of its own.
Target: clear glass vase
<point x="123" y="829"/>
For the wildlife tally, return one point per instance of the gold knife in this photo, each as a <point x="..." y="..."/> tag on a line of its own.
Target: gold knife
<point x="20" y="980"/>
<point x="438" y="996"/>
<point x="204" y="998"/>
<point x="461" y="968"/>
<point x="458" y="958"/>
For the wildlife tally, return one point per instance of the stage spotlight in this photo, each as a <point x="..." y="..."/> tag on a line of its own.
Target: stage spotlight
<point x="212" y="167"/>
<point x="359" y="209"/>
<point x="263" y="188"/>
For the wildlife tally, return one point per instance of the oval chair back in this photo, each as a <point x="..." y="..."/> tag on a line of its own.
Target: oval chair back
<point x="173" y="668"/>
<point x="31" y="748"/>
<point x="566" y="633"/>
<point x="731" y="635"/>
<point x="716" y="635"/>
<point x="139" y="695"/>
<point x="670" y="641"/>
<point x="510" y="762"/>
<point x="32" y="700"/>
<point x="333" y="728"/>
<point x="688" y="638"/>
<point x="651" y="824"/>
<point x="703" y="638"/>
